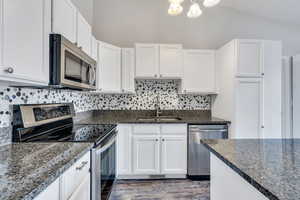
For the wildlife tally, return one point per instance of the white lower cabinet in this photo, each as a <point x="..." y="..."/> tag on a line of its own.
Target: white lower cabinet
<point x="146" y="155"/>
<point x="74" y="184"/>
<point x="151" y="149"/>
<point x="51" y="193"/>
<point x="174" y="154"/>
<point x="225" y="183"/>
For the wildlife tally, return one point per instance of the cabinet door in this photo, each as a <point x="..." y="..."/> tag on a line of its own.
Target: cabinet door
<point x="124" y="145"/>
<point x="94" y="48"/>
<point x="146" y="151"/>
<point x="199" y="71"/>
<point x="64" y="15"/>
<point x="84" y="34"/>
<point x="249" y="58"/>
<point x="147" y="60"/>
<point x="50" y="193"/>
<point x="25" y="28"/>
<point x="171" y="61"/>
<point x="83" y="191"/>
<point x="248" y="114"/>
<point x="128" y="67"/>
<point x="174" y="154"/>
<point x="109" y="68"/>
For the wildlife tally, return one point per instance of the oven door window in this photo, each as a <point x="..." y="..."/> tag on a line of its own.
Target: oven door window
<point x="108" y="167"/>
<point x="76" y="69"/>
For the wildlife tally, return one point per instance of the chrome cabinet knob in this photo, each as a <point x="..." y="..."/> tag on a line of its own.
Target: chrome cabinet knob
<point x="155" y="75"/>
<point x="9" y="70"/>
<point x="262" y="126"/>
<point x="156" y="140"/>
<point x="161" y="76"/>
<point x="163" y="140"/>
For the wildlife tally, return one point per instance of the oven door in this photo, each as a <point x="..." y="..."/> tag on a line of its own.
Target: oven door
<point x="104" y="167"/>
<point x="76" y="70"/>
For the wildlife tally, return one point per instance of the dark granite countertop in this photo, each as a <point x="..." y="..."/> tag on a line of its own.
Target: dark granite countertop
<point x="272" y="166"/>
<point x="26" y="169"/>
<point x="132" y="116"/>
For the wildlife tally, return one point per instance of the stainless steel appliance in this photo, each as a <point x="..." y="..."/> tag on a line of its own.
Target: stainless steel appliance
<point x="70" y="66"/>
<point x="54" y="123"/>
<point x="198" y="155"/>
<point x="104" y="168"/>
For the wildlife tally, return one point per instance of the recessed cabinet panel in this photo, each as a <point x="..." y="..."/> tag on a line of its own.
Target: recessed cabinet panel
<point x="84" y="34"/>
<point x="199" y="71"/>
<point x="124" y="151"/>
<point x="146" y="155"/>
<point x="174" y="154"/>
<point x="109" y="68"/>
<point x="64" y="19"/>
<point x="128" y="68"/>
<point x="249" y="58"/>
<point x="147" y="60"/>
<point x="248" y="105"/>
<point x="25" y="29"/>
<point x="171" y="61"/>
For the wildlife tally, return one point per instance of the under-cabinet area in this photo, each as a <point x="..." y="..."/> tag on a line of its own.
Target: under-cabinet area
<point x="147" y="151"/>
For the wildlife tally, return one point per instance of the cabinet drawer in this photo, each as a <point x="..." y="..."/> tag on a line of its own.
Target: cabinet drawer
<point x="146" y="129"/>
<point x="173" y="129"/>
<point x="74" y="176"/>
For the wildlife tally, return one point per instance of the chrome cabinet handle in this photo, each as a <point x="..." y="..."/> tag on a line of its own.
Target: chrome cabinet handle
<point x="155" y="75"/>
<point x="9" y="70"/>
<point x="82" y="165"/>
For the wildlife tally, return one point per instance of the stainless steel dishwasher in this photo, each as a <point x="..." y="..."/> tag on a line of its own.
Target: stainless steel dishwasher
<point x="198" y="155"/>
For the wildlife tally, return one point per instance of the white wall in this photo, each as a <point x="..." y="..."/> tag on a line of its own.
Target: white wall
<point x="123" y="22"/>
<point x="86" y="9"/>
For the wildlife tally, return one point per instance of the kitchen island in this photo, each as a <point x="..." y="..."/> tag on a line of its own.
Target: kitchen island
<point x="255" y="169"/>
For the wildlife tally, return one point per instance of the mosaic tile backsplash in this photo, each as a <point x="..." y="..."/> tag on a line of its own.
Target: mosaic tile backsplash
<point x="145" y="98"/>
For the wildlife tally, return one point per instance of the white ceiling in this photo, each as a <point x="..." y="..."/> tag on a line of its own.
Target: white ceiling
<point x="284" y="11"/>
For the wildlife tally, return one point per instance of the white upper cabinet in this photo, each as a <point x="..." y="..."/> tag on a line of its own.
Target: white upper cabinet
<point x="24" y="41"/>
<point x="158" y="61"/>
<point x="84" y="34"/>
<point x="94" y="48"/>
<point x="128" y="67"/>
<point x="199" y="71"/>
<point x="64" y="16"/>
<point x="249" y="58"/>
<point x="147" y="60"/>
<point x="109" y="68"/>
<point x="170" y="61"/>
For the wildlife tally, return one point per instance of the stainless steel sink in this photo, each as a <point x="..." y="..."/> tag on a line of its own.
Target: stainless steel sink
<point x="160" y="119"/>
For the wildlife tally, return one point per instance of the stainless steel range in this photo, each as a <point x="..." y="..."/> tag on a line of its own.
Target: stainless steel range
<point x="54" y="123"/>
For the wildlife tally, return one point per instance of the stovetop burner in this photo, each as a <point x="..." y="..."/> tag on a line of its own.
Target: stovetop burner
<point x="53" y="123"/>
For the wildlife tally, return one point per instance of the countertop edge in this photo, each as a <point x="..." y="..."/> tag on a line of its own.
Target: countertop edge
<point x="38" y="190"/>
<point x="245" y="176"/>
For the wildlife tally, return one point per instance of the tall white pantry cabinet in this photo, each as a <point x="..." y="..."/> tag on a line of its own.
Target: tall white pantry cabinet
<point x="249" y="88"/>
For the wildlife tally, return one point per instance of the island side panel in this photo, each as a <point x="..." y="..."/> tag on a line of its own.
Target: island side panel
<point x="227" y="184"/>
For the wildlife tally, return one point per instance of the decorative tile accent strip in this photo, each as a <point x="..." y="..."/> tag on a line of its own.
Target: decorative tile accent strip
<point x="145" y="98"/>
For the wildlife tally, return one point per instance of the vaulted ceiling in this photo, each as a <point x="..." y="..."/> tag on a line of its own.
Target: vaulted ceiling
<point x="284" y="11"/>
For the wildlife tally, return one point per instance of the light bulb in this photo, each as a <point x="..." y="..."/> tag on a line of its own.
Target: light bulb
<point x="194" y="11"/>
<point x="175" y="9"/>
<point x="210" y="3"/>
<point x="176" y="1"/>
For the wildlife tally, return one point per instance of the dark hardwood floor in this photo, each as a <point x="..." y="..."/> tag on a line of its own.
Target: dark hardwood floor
<point x="161" y="190"/>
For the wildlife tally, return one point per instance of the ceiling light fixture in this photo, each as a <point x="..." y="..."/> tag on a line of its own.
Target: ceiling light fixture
<point x="210" y="3"/>
<point x="194" y="11"/>
<point x="175" y="9"/>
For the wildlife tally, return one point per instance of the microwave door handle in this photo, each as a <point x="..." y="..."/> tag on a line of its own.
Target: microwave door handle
<point x="92" y="75"/>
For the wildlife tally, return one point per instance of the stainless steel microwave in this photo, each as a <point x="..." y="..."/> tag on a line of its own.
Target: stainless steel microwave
<point x="70" y="67"/>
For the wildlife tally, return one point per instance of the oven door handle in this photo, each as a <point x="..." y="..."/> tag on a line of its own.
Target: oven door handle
<point x="92" y="75"/>
<point x="107" y="145"/>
